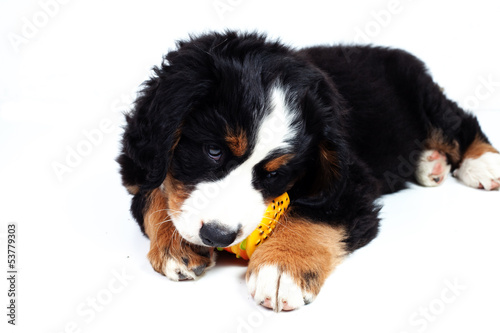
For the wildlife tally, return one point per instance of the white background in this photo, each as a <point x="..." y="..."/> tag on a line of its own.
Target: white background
<point x="70" y="69"/>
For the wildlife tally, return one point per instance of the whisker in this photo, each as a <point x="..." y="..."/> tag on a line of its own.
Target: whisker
<point x="161" y="222"/>
<point x="166" y="210"/>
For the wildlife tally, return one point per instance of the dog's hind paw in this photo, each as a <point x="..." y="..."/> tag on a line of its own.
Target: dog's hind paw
<point x="482" y="172"/>
<point x="432" y="169"/>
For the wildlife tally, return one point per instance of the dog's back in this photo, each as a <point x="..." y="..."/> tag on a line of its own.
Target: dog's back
<point x="396" y="112"/>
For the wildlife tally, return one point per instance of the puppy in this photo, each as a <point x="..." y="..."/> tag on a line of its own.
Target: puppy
<point x="232" y="120"/>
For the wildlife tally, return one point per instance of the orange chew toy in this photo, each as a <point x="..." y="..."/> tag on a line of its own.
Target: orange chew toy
<point x="271" y="216"/>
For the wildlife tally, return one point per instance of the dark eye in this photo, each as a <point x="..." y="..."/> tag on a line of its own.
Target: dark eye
<point x="214" y="152"/>
<point x="272" y="174"/>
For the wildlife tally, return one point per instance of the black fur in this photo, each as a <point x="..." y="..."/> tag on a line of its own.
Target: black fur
<point x="371" y="108"/>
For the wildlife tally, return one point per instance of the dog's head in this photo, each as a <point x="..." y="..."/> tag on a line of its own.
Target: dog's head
<point x="227" y="123"/>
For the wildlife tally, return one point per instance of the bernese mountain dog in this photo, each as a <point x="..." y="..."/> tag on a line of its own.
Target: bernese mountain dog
<point x="231" y="120"/>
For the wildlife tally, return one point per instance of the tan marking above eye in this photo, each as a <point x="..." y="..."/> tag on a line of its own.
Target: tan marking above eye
<point x="237" y="141"/>
<point x="277" y="162"/>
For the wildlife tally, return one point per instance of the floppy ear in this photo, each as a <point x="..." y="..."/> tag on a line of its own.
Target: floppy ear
<point x="326" y="178"/>
<point x="151" y="134"/>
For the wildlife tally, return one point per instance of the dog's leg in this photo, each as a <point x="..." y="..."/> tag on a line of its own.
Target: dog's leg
<point x="169" y="253"/>
<point x="288" y="270"/>
<point x="458" y="134"/>
<point x="480" y="167"/>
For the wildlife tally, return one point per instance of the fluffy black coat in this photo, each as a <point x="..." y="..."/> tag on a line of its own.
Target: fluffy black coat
<point x="370" y="108"/>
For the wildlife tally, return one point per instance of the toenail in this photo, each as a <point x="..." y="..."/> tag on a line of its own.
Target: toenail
<point x="199" y="270"/>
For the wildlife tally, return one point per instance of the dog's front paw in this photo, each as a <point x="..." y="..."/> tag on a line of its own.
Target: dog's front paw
<point x="288" y="269"/>
<point x="277" y="289"/>
<point x="432" y="169"/>
<point x="183" y="261"/>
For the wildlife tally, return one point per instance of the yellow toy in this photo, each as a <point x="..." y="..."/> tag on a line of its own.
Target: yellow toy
<point x="271" y="216"/>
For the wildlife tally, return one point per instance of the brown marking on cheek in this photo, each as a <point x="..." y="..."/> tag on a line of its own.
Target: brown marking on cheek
<point x="437" y="141"/>
<point x="158" y="227"/>
<point x="477" y="148"/>
<point x="166" y="242"/>
<point x="156" y="211"/>
<point x="278" y="162"/>
<point x="307" y="251"/>
<point x="237" y="141"/>
<point x="132" y="189"/>
<point x="176" y="193"/>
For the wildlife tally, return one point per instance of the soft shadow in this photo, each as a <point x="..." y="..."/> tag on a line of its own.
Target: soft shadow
<point x="225" y="258"/>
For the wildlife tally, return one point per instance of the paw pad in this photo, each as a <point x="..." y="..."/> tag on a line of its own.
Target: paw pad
<point x="432" y="169"/>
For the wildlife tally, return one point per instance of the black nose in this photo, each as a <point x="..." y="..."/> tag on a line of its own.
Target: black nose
<point x="215" y="235"/>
